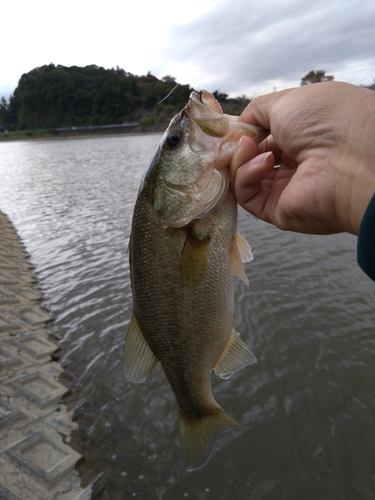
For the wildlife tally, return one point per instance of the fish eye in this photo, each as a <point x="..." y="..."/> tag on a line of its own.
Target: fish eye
<point x="174" y="138"/>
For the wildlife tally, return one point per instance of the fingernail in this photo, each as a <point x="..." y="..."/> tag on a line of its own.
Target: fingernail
<point x="258" y="160"/>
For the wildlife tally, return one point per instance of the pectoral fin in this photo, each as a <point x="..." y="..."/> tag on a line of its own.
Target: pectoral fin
<point x="240" y="251"/>
<point x="194" y="259"/>
<point x="235" y="356"/>
<point x="139" y="360"/>
<point x="244" y="248"/>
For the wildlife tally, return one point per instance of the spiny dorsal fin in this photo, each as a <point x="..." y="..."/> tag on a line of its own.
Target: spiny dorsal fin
<point x="240" y="251"/>
<point x="139" y="360"/>
<point x="198" y="436"/>
<point x="235" y="356"/>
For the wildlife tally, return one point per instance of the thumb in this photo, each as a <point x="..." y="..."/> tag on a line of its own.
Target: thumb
<point x="259" y="110"/>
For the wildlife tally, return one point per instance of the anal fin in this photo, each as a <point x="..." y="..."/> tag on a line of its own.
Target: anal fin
<point x="139" y="360"/>
<point x="235" y="356"/>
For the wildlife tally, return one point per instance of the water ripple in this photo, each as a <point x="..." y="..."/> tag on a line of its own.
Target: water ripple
<point x="308" y="316"/>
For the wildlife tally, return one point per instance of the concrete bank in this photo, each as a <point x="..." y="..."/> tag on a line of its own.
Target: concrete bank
<point x="36" y="461"/>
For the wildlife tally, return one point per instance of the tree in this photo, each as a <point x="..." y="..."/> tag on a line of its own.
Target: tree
<point x="371" y="86"/>
<point x="169" y="79"/>
<point x="58" y="96"/>
<point x="221" y="97"/>
<point x="3" y="110"/>
<point x="315" y="77"/>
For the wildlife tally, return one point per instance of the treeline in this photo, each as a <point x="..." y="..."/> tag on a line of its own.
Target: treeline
<point x="58" y="96"/>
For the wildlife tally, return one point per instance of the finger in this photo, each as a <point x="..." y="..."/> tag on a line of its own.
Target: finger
<point x="258" y="111"/>
<point x="269" y="144"/>
<point x="252" y="183"/>
<point x="246" y="150"/>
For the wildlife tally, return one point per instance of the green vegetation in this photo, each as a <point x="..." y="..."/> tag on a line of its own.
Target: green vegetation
<point x="58" y="96"/>
<point x="27" y="134"/>
<point x="316" y="77"/>
<point x="52" y="96"/>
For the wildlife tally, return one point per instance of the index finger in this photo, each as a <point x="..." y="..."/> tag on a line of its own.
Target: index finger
<point x="269" y="144"/>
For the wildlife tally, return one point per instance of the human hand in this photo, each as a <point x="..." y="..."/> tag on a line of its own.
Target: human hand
<point x="322" y="136"/>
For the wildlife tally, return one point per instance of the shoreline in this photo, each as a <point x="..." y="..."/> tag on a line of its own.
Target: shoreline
<point x="58" y="137"/>
<point x="34" y="422"/>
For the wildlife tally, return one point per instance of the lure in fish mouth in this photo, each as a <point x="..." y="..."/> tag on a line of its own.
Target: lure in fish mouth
<point x="184" y="252"/>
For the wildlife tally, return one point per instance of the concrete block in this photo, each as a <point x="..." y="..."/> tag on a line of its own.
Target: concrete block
<point x="26" y="295"/>
<point x="35" y="463"/>
<point x="45" y="456"/>
<point x="7" y="323"/>
<point x="5" y="494"/>
<point x="9" y="416"/>
<point x="34" y="345"/>
<point x="7" y="298"/>
<point x="62" y="423"/>
<point x="38" y="388"/>
<point x="12" y="421"/>
<point x="8" y="278"/>
<point x="7" y="360"/>
<point x="32" y="315"/>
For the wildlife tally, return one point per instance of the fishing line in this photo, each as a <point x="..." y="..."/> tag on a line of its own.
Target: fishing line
<point x="174" y="88"/>
<point x="177" y="84"/>
<point x="197" y="87"/>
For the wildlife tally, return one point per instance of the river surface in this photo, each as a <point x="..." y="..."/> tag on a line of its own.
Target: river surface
<point x="308" y="315"/>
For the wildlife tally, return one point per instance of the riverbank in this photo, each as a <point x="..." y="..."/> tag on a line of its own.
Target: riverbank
<point x="36" y="461"/>
<point x="34" y="135"/>
<point x="26" y="135"/>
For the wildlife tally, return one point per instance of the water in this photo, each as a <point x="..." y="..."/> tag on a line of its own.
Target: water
<point x="308" y="316"/>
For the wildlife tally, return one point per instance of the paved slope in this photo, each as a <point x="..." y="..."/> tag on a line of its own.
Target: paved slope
<point x="36" y="461"/>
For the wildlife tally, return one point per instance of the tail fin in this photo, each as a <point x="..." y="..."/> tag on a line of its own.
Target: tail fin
<point x="198" y="436"/>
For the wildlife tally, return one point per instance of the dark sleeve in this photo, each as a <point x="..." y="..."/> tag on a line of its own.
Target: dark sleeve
<point x="366" y="241"/>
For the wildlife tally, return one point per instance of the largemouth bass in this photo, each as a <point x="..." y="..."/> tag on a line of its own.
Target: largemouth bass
<point x="184" y="252"/>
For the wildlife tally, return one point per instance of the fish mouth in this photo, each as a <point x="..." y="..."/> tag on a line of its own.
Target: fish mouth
<point x="205" y="102"/>
<point x="205" y="111"/>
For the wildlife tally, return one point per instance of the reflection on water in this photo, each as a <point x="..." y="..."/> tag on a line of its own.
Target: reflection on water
<point x="308" y="316"/>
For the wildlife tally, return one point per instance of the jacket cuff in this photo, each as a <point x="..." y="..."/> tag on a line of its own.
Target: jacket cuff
<point x="366" y="241"/>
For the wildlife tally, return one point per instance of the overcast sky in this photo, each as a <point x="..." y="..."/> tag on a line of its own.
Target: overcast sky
<point x="235" y="46"/>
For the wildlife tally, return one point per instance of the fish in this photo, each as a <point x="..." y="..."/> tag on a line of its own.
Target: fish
<point x="184" y="251"/>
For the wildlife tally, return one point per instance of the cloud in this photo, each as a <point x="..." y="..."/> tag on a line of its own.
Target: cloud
<point x="240" y="46"/>
<point x="235" y="46"/>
